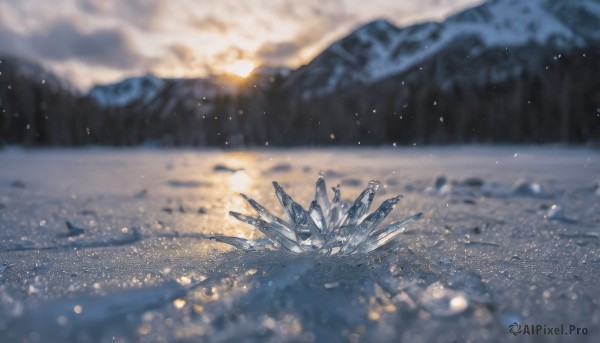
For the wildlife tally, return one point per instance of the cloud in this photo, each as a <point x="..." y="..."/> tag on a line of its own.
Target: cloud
<point x="144" y="14"/>
<point x="318" y="23"/>
<point x="7" y="41"/>
<point x="182" y="52"/>
<point x="277" y="53"/>
<point x="103" y="47"/>
<point x="210" y="23"/>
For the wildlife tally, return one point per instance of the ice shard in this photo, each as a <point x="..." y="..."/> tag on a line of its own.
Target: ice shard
<point x="328" y="227"/>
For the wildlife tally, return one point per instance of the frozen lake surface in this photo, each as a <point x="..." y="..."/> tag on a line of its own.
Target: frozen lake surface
<point x="509" y="235"/>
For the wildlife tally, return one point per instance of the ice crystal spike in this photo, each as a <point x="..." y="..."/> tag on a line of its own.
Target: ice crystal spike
<point x="328" y="227"/>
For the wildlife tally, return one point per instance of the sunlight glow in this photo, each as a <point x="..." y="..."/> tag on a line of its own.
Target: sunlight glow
<point x="241" y="68"/>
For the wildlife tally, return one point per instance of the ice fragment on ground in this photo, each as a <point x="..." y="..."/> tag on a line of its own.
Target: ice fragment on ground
<point x="441" y="301"/>
<point x="557" y="213"/>
<point x="531" y="189"/>
<point x="472" y="182"/>
<point x="328" y="227"/>
<point x="73" y="230"/>
<point x="440" y="187"/>
<point x="329" y="285"/>
<point x="281" y="167"/>
<point x="220" y="168"/>
<point x="184" y="183"/>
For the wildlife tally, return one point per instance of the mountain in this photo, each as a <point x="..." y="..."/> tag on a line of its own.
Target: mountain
<point x="506" y="71"/>
<point x="129" y="91"/>
<point x="379" y="49"/>
<point x="37" y="107"/>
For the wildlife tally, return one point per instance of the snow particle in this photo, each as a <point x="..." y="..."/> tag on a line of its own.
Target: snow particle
<point x="434" y="103"/>
<point x="42" y="223"/>
<point x="441" y="119"/>
<point x="144" y="328"/>
<point x="458" y="304"/>
<point x="78" y="309"/>
<point x="266" y="143"/>
<point x="394" y="144"/>
<point x="330" y="285"/>
<point x="179" y="303"/>
<point x="331" y="136"/>
<point x="62" y="320"/>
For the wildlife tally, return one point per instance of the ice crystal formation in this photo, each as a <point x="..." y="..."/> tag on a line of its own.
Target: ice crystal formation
<point x="328" y="227"/>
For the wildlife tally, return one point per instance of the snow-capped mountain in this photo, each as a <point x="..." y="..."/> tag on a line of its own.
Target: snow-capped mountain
<point x="159" y="98"/>
<point x="505" y="71"/>
<point x="36" y="106"/>
<point x="379" y="49"/>
<point x="27" y="71"/>
<point x="128" y="91"/>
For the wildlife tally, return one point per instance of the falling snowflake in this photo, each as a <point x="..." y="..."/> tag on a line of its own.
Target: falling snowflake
<point x="328" y="227"/>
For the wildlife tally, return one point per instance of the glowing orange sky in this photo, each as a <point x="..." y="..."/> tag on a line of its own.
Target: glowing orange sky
<point x="96" y="41"/>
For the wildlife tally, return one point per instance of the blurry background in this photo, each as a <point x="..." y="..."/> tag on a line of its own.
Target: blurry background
<point x="283" y="73"/>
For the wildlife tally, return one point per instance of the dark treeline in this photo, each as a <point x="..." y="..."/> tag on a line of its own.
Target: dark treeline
<point x="557" y="102"/>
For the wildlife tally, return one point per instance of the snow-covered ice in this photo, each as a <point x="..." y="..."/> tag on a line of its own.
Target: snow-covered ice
<point x="514" y="237"/>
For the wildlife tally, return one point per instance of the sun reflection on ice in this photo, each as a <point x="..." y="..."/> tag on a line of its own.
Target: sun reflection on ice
<point x="239" y="182"/>
<point x="240" y="179"/>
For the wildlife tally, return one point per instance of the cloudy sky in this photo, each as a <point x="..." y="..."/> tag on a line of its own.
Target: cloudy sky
<point x="98" y="41"/>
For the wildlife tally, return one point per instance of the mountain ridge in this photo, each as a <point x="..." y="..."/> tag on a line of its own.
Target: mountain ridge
<point x="454" y="81"/>
<point x="379" y="49"/>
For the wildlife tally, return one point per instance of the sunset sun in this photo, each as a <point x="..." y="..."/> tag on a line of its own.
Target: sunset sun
<point x="241" y="68"/>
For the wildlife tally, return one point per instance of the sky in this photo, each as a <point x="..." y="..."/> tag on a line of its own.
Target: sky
<point x="101" y="41"/>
